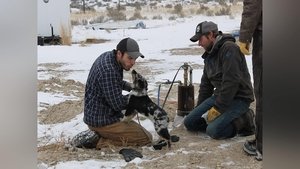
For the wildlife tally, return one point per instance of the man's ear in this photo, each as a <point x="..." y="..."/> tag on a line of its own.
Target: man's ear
<point x="210" y="35"/>
<point x="119" y="54"/>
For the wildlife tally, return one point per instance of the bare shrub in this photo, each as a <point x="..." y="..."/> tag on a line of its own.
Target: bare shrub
<point x="99" y="4"/>
<point x="172" y="18"/>
<point x="95" y="41"/>
<point x="115" y="14"/>
<point x="79" y="22"/>
<point x="224" y="11"/>
<point x="178" y="10"/>
<point x="202" y="10"/>
<point x="75" y="5"/>
<point x="75" y="22"/>
<point x="65" y="34"/>
<point x="121" y="8"/>
<point x="222" y="2"/>
<point x="137" y="6"/>
<point x="192" y="11"/>
<point x="136" y="15"/>
<point x="158" y="17"/>
<point x="169" y="6"/>
<point x="84" y="22"/>
<point x="234" y="2"/>
<point x="98" y="19"/>
<point x="153" y="5"/>
<point x="209" y="12"/>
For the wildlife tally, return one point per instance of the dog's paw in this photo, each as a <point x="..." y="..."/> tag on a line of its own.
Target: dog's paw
<point x="160" y="145"/>
<point x="174" y="138"/>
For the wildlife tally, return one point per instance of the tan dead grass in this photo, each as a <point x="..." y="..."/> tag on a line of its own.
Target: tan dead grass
<point x="187" y="51"/>
<point x="147" y="11"/>
<point x="87" y="15"/>
<point x="65" y="34"/>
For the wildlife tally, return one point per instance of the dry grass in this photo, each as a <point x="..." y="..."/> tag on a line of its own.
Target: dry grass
<point x="186" y="51"/>
<point x="65" y="34"/>
<point x="150" y="12"/>
<point x="88" y="14"/>
<point x="91" y="41"/>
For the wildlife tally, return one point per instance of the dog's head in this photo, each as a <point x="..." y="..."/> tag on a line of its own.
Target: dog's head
<point x="140" y="85"/>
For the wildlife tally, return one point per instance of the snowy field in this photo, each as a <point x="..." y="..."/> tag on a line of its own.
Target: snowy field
<point x="155" y="43"/>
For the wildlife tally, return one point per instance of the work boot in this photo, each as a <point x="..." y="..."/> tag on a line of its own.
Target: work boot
<point x="244" y="125"/>
<point x="85" y="139"/>
<point x="250" y="147"/>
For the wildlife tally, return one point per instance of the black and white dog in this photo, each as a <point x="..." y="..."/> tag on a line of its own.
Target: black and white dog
<point x="140" y="102"/>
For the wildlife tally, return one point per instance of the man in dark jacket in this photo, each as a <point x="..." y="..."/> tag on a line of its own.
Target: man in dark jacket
<point x="225" y="90"/>
<point x="251" y="26"/>
<point x="103" y="101"/>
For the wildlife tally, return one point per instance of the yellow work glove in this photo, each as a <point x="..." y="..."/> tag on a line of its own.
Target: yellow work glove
<point x="212" y="114"/>
<point x="244" y="47"/>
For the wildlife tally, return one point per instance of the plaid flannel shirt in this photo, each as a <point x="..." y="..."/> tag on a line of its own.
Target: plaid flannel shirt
<point x="103" y="99"/>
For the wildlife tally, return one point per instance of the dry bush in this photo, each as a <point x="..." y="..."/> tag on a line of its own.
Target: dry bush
<point x="178" y="10"/>
<point x="169" y="6"/>
<point x="95" y="41"/>
<point x="202" y="10"/>
<point x="171" y="18"/>
<point x="225" y="10"/>
<point x="137" y="6"/>
<point x="65" y="34"/>
<point x="115" y="14"/>
<point x="80" y="18"/>
<point x="98" y="19"/>
<point x="222" y="2"/>
<point x="192" y="11"/>
<point x="136" y="15"/>
<point x="75" y="22"/>
<point x="210" y="12"/>
<point x="157" y="17"/>
<point x="153" y="11"/>
<point x="83" y="22"/>
<point x="153" y="5"/>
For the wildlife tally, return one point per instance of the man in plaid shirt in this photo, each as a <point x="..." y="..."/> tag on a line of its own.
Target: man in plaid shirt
<point x="104" y="101"/>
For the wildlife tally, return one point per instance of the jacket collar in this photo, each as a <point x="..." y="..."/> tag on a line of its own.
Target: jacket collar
<point x="220" y="40"/>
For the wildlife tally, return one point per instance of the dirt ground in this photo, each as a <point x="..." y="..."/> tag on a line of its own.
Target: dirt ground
<point x="194" y="150"/>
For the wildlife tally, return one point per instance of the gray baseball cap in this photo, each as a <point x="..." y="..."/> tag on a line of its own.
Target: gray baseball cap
<point x="131" y="47"/>
<point x="203" y="28"/>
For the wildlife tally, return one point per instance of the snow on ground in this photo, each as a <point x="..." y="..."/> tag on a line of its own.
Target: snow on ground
<point x="47" y="99"/>
<point x="153" y="41"/>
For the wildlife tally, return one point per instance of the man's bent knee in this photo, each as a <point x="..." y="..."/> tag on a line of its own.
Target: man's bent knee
<point x="213" y="132"/>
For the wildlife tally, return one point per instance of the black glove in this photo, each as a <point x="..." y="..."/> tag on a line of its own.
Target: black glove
<point x="130" y="154"/>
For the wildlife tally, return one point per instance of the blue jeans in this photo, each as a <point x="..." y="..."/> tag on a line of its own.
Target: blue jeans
<point x="221" y="127"/>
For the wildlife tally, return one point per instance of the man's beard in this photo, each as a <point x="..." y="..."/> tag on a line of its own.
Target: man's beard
<point x="124" y="66"/>
<point x="208" y="49"/>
